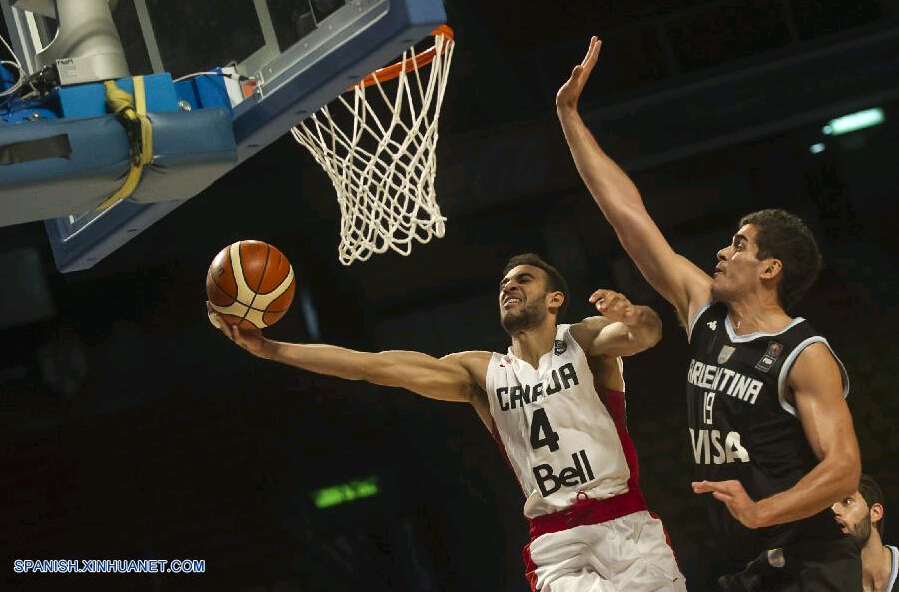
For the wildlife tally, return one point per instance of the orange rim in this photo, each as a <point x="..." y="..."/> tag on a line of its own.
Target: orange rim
<point x="421" y="59"/>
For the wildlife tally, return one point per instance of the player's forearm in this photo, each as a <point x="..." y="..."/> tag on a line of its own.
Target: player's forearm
<point x="646" y="330"/>
<point x="611" y="188"/>
<point x="834" y="478"/>
<point x="413" y="371"/>
<point x="320" y="358"/>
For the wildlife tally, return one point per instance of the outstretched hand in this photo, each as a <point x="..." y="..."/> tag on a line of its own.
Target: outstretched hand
<point x="250" y="338"/>
<point x="570" y="92"/>
<point x="614" y="306"/>
<point x="732" y="495"/>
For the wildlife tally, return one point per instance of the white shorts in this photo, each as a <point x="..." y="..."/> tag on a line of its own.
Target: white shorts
<point x="626" y="554"/>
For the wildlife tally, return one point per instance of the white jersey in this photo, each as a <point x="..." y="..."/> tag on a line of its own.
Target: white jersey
<point x="557" y="434"/>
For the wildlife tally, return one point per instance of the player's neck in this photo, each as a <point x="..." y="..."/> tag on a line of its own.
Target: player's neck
<point x="531" y="344"/>
<point x="877" y="565"/>
<point x="752" y="314"/>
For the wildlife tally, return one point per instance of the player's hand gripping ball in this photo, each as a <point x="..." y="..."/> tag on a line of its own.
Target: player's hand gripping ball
<point x="250" y="283"/>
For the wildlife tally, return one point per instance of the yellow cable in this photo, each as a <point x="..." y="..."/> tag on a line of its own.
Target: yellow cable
<point x="123" y="104"/>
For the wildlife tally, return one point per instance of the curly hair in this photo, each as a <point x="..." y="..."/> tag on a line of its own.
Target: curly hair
<point x="784" y="236"/>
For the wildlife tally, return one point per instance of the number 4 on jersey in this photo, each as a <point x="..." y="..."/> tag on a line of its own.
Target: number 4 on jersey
<point x="542" y="433"/>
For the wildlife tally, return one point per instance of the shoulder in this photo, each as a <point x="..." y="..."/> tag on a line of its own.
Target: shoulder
<point x="593" y="324"/>
<point x="474" y="365"/>
<point x="813" y="366"/>
<point x="811" y="354"/>
<point x="586" y="330"/>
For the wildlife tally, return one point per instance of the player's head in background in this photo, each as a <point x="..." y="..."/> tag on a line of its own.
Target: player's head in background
<point x="773" y="248"/>
<point x="861" y="514"/>
<point x="531" y="292"/>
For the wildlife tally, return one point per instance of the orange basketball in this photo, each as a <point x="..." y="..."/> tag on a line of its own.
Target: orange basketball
<point x="250" y="283"/>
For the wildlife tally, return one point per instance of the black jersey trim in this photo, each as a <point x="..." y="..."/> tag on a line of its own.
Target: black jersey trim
<point x="788" y="364"/>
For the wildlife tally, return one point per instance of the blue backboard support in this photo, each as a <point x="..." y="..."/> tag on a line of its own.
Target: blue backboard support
<point x="353" y="39"/>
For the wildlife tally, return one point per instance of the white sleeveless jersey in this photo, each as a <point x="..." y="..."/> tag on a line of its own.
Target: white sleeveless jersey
<point x="556" y="433"/>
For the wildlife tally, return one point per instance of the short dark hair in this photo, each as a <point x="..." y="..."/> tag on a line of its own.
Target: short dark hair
<point x="870" y="491"/>
<point x="784" y="236"/>
<point x="554" y="280"/>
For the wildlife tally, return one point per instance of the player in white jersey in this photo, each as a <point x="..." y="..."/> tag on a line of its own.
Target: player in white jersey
<point x="555" y="405"/>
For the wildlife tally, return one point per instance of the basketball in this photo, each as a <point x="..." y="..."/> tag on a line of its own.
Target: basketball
<point x="250" y="283"/>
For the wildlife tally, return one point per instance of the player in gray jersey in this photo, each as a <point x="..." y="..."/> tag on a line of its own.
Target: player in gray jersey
<point x="555" y="404"/>
<point x="761" y="496"/>
<point x="861" y="516"/>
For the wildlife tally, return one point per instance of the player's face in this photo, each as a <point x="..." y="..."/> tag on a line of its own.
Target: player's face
<point x="522" y="298"/>
<point x="738" y="269"/>
<point x="854" y="517"/>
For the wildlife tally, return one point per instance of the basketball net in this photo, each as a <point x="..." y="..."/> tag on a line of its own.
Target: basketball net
<point x="382" y="159"/>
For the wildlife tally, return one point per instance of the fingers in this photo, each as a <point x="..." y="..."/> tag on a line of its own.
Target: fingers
<point x="592" y="55"/>
<point x="568" y="94"/>
<point x="707" y="486"/>
<point x="727" y="488"/>
<point x="603" y="294"/>
<point x="586" y="65"/>
<point x="216" y="319"/>
<point x="719" y="490"/>
<point x="612" y="303"/>
<point x="723" y="497"/>
<point x="592" y="51"/>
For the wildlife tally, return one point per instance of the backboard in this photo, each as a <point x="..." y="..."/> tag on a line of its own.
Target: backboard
<point x="282" y="60"/>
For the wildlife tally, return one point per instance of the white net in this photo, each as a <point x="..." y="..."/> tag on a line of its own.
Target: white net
<point x="381" y="158"/>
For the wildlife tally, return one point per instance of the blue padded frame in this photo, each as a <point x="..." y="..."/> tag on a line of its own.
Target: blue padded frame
<point x="259" y="121"/>
<point x="192" y="150"/>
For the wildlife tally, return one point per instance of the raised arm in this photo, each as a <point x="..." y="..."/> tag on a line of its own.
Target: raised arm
<point x="623" y="329"/>
<point x="817" y="391"/>
<point x="674" y="277"/>
<point x="456" y="377"/>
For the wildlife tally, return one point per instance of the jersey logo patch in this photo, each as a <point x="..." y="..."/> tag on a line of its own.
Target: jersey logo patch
<point x="713" y="325"/>
<point x="770" y="356"/>
<point x="725" y="353"/>
<point x="559" y="347"/>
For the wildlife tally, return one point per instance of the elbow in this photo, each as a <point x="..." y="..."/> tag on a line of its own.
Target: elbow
<point x="648" y="341"/>
<point x="652" y="333"/>
<point x="848" y="474"/>
<point x="853" y="475"/>
<point x="644" y="341"/>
